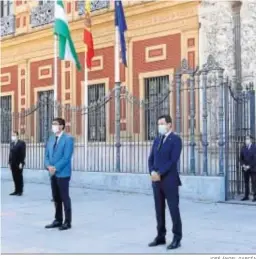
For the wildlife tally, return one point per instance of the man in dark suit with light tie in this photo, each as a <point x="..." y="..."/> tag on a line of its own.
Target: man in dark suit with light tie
<point x="58" y="156"/>
<point x="163" y="168"/>
<point x="16" y="162"/>
<point x="247" y="158"/>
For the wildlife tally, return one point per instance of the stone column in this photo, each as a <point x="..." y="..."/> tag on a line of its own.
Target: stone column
<point x="236" y="7"/>
<point x="216" y="33"/>
<point x="248" y="46"/>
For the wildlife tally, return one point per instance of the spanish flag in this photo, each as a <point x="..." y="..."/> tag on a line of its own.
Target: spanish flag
<point x="88" y="40"/>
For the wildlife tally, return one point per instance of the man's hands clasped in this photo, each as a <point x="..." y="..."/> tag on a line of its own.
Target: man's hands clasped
<point x="246" y="167"/>
<point x="51" y="169"/>
<point x="155" y="177"/>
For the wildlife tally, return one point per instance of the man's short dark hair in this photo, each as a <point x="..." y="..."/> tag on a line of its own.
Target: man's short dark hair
<point x="60" y="121"/>
<point x="168" y="118"/>
<point x="16" y="133"/>
<point x="249" y="136"/>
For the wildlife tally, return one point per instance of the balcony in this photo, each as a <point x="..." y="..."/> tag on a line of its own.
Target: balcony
<point x="95" y="5"/>
<point x="42" y="15"/>
<point x="7" y="25"/>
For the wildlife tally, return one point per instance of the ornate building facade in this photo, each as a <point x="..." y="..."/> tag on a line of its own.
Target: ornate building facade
<point x="160" y="34"/>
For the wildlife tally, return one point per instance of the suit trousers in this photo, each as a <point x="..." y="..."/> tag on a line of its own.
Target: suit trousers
<point x="166" y="190"/>
<point x="60" y="194"/>
<point x="247" y="175"/>
<point x="17" y="175"/>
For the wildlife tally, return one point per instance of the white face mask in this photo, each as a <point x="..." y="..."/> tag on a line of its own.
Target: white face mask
<point x="162" y="129"/>
<point x="14" y="138"/>
<point x="247" y="142"/>
<point x="55" y="128"/>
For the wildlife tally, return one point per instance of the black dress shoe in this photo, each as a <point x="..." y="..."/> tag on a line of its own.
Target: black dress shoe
<point x="174" y="244"/>
<point x="55" y="224"/>
<point x="65" y="226"/>
<point x="13" y="193"/>
<point x="245" y="199"/>
<point x="157" y="242"/>
<point x="19" y="194"/>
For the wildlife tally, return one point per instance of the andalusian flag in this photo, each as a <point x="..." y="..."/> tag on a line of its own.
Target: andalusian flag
<point x="67" y="49"/>
<point x="88" y="40"/>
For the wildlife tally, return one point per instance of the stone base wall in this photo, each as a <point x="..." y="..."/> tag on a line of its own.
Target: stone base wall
<point x="203" y="188"/>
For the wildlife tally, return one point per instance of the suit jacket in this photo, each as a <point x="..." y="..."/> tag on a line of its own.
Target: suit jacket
<point x="60" y="157"/>
<point x="247" y="156"/>
<point x="253" y="169"/>
<point x="165" y="160"/>
<point x="17" y="153"/>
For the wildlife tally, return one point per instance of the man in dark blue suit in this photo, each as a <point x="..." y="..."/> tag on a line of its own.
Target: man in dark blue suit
<point x="247" y="158"/>
<point x="163" y="168"/>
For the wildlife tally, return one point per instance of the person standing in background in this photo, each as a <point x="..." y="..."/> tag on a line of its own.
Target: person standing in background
<point x="17" y="157"/>
<point x="247" y="159"/>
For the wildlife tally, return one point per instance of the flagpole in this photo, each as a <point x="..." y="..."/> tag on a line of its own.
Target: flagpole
<point x="55" y="75"/>
<point x="117" y="99"/>
<point x="86" y="115"/>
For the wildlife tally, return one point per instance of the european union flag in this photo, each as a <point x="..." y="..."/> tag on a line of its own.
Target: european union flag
<point x="121" y="23"/>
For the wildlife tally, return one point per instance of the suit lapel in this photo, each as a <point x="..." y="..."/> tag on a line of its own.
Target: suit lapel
<point x="165" y="143"/>
<point x="167" y="139"/>
<point x="61" y="139"/>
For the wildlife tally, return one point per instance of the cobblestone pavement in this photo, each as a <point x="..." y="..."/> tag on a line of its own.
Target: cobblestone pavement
<point x="114" y="222"/>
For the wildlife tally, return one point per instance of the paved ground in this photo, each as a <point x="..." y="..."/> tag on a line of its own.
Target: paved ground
<point x="112" y="222"/>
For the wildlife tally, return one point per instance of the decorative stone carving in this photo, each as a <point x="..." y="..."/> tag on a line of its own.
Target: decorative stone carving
<point x="216" y="53"/>
<point x="95" y="5"/>
<point x="248" y="46"/>
<point x="7" y="25"/>
<point x="211" y="65"/>
<point x="216" y="36"/>
<point x="42" y="14"/>
<point x="216" y="33"/>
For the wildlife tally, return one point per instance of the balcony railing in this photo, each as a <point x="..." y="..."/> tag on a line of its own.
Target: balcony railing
<point x="95" y="5"/>
<point x="7" y="25"/>
<point x="42" y="14"/>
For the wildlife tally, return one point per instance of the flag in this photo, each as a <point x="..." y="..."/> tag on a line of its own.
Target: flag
<point x="88" y="40"/>
<point x="122" y="27"/>
<point x="67" y="49"/>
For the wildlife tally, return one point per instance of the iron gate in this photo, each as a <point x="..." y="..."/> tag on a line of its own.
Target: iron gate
<point x="239" y="123"/>
<point x="212" y="113"/>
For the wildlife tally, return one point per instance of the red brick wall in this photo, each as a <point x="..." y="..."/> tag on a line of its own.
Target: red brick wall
<point x="173" y="49"/>
<point x="13" y="86"/>
<point x="106" y="72"/>
<point x="36" y="82"/>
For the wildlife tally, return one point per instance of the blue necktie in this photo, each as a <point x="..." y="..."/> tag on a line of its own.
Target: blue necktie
<point x="55" y="144"/>
<point x="161" y="142"/>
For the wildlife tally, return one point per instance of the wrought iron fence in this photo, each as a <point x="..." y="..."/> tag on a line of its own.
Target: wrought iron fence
<point x="209" y="112"/>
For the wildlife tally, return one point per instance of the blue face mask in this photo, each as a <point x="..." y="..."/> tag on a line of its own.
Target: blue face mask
<point x="162" y="129"/>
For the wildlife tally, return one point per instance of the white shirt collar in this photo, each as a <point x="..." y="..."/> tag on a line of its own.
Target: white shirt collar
<point x="59" y="136"/>
<point x="168" y="133"/>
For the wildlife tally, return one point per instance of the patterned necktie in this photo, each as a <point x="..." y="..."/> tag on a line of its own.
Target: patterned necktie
<point x="56" y="140"/>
